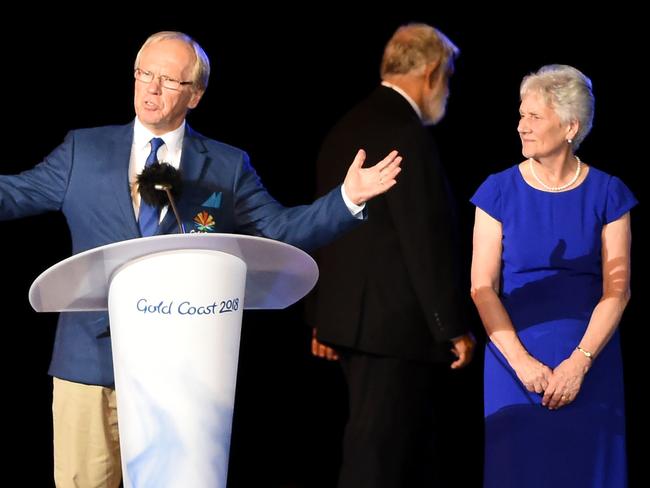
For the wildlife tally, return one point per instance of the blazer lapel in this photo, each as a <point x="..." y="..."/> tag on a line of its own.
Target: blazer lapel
<point x="193" y="161"/>
<point x="121" y="155"/>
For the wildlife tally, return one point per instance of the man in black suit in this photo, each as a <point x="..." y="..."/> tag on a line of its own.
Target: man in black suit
<point x="388" y="305"/>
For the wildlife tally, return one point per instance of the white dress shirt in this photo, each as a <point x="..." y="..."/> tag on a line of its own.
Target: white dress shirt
<point x="170" y="153"/>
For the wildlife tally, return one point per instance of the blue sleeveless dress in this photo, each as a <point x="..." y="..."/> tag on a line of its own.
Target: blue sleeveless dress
<point x="551" y="281"/>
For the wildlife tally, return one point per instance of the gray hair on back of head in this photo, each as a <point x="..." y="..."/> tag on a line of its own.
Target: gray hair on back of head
<point x="414" y="45"/>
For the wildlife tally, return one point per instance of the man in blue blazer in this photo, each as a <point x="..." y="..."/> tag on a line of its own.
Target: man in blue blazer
<point x="92" y="178"/>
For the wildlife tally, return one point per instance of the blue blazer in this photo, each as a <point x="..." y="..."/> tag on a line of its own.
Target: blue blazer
<point x="86" y="177"/>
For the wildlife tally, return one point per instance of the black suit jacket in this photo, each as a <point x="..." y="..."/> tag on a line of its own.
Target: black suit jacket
<point x="390" y="287"/>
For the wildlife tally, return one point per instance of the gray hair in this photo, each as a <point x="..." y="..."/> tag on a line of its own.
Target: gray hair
<point x="201" y="69"/>
<point x="567" y="91"/>
<point x="414" y="45"/>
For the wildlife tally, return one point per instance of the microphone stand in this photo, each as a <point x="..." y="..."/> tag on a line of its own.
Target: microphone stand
<point x="166" y="188"/>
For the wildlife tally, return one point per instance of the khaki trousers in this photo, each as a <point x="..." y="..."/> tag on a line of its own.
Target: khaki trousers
<point x="86" y="439"/>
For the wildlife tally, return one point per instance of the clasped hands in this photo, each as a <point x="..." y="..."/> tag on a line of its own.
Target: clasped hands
<point x="559" y="386"/>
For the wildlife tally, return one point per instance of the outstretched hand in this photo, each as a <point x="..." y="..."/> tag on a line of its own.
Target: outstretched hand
<point x="362" y="184"/>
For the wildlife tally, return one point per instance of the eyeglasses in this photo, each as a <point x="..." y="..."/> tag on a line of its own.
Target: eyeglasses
<point x="165" y="81"/>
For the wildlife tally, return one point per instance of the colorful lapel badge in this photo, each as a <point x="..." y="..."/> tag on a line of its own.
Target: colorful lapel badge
<point x="204" y="222"/>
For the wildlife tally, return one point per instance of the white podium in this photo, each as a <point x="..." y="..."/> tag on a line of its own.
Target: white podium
<point x="175" y="304"/>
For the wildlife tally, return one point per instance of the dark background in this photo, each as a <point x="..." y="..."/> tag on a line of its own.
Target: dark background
<point x="277" y="86"/>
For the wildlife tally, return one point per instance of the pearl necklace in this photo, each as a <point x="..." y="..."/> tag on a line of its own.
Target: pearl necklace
<point x="555" y="188"/>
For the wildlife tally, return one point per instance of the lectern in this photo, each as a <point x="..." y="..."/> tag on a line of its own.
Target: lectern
<point x="175" y="304"/>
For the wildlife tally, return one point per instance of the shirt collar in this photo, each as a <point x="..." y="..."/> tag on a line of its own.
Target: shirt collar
<point x="142" y="136"/>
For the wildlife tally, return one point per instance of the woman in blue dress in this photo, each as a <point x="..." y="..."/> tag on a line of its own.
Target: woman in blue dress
<point x="550" y="280"/>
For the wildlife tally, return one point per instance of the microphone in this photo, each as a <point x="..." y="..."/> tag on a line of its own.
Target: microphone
<point x="160" y="183"/>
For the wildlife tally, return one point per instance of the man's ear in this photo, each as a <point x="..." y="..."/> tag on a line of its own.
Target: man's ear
<point x="196" y="98"/>
<point x="433" y="71"/>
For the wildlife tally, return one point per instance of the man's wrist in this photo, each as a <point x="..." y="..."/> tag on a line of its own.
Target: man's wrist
<point x="355" y="210"/>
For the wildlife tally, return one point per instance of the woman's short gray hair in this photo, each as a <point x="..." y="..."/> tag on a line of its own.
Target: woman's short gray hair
<point x="567" y="91"/>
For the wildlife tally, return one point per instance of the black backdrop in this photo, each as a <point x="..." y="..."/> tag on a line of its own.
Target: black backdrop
<point x="276" y="88"/>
